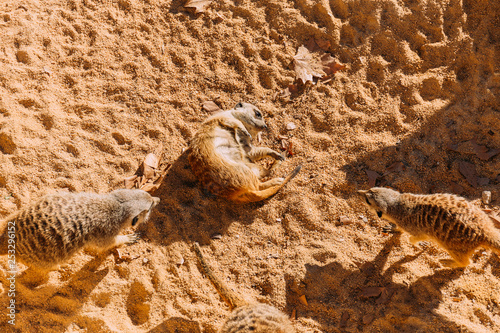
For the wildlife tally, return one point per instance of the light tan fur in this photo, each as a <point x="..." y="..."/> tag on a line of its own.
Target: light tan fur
<point x="449" y="220"/>
<point x="54" y="228"/>
<point x="222" y="156"/>
<point x="246" y="317"/>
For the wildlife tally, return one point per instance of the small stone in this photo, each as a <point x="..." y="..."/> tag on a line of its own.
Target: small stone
<point x="278" y="220"/>
<point x="210" y="106"/>
<point x="345" y="220"/>
<point x="216" y="236"/>
<point x="145" y="260"/>
<point x="486" y="197"/>
<point x="291" y="126"/>
<point x="363" y="218"/>
<point x="367" y="319"/>
<point x="180" y="261"/>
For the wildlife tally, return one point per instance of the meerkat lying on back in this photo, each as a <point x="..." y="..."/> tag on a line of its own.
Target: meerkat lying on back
<point x="246" y="318"/>
<point x="451" y="221"/>
<point x="51" y="230"/>
<point x="222" y="156"/>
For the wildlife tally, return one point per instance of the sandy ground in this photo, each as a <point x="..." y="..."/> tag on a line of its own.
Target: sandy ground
<point x="88" y="88"/>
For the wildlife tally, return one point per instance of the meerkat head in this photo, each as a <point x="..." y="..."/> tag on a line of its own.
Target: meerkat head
<point x="137" y="205"/>
<point x="378" y="199"/>
<point x="250" y="116"/>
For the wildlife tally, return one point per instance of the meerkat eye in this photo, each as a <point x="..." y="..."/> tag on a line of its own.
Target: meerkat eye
<point x="239" y="105"/>
<point x="135" y="220"/>
<point x="258" y="114"/>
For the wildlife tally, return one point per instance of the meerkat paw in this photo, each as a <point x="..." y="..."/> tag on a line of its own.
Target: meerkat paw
<point x="127" y="239"/>
<point x="391" y="228"/>
<point x="277" y="156"/>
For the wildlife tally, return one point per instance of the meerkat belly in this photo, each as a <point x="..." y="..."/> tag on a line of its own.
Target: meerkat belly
<point x="226" y="146"/>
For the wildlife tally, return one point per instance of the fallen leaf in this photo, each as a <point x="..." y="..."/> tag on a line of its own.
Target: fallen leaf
<point x="303" y="300"/>
<point x="395" y="167"/>
<point x="314" y="45"/>
<point x="385" y="296"/>
<point x="210" y="106"/>
<point x="293" y="316"/>
<point x="305" y="67"/>
<point x="330" y="66"/>
<point x="468" y="170"/>
<point x="483" y="181"/>
<point x="151" y="160"/>
<point x="371" y="291"/>
<point x="344" y="318"/>
<point x="129" y="182"/>
<point x="199" y="6"/>
<point x="372" y="177"/>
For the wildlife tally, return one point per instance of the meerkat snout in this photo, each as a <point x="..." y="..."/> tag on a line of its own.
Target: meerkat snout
<point x="137" y="204"/>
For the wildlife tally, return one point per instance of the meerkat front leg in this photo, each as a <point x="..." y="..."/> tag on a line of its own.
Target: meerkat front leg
<point x="237" y="126"/>
<point x="258" y="153"/>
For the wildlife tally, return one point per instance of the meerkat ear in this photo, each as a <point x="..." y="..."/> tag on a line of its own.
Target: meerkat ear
<point x="239" y="105"/>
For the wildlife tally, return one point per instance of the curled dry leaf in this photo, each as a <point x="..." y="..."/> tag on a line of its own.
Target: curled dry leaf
<point x="199" y="6"/>
<point x="330" y="66"/>
<point x="372" y="177"/>
<point x="303" y="300"/>
<point x="306" y="69"/>
<point x="149" y="175"/>
<point x="210" y="106"/>
<point x="468" y="170"/>
<point x="314" y="45"/>
<point x="395" y="167"/>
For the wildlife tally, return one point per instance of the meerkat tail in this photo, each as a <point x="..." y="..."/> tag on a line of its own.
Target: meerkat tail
<point x="254" y="196"/>
<point x="226" y="294"/>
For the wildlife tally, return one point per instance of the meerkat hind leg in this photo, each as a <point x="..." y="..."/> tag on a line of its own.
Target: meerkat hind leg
<point x="258" y="153"/>
<point x="271" y="183"/>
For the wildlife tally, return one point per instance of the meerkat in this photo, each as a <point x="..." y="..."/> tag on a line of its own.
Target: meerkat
<point x="223" y="158"/>
<point x="246" y="317"/>
<point x="58" y="225"/>
<point x="449" y="220"/>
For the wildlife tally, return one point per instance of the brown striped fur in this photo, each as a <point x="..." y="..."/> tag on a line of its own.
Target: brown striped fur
<point x="54" y="228"/>
<point x="222" y="156"/>
<point x="449" y="220"/>
<point x="246" y="317"/>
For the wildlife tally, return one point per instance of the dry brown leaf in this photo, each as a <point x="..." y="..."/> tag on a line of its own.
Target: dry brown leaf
<point x="306" y="69"/>
<point x="371" y="291"/>
<point x="468" y="170"/>
<point x="395" y="167"/>
<point x="385" y="296"/>
<point x="372" y="177"/>
<point x="314" y="45"/>
<point x="199" y="6"/>
<point x="330" y="66"/>
<point x="151" y="160"/>
<point x="210" y="106"/>
<point x="129" y="182"/>
<point x="303" y="300"/>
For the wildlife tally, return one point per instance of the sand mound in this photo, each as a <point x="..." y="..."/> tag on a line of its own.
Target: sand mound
<point x="88" y="88"/>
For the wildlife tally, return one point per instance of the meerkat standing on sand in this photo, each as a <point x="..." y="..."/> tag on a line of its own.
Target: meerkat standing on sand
<point x="451" y="221"/>
<point x="222" y="156"/>
<point x="50" y="231"/>
<point x="246" y="318"/>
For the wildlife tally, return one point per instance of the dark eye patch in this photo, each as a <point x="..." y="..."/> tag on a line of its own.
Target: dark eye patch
<point x="379" y="214"/>
<point x="135" y="220"/>
<point x="258" y="114"/>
